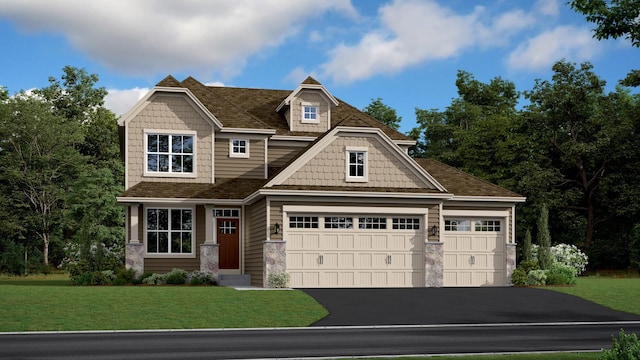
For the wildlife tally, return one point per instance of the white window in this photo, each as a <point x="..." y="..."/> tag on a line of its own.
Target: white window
<point x="487" y="225"/>
<point x="406" y="223"/>
<point x="239" y="148"/>
<point x="230" y="213"/>
<point x="169" y="231"/>
<point x="356" y="164"/>
<point x="472" y="225"/>
<point x="169" y="153"/>
<point x="338" y="222"/>
<point x="457" y="225"/>
<point x="310" y="113"/>
<point x="303" y="222"/>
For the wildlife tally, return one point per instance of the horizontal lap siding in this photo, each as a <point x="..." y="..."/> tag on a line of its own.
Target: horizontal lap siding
<point x="165" y="265"/>
<point x="256" y="230"/>
<point x="232" y="167"/>
<point x="279" y="156"/>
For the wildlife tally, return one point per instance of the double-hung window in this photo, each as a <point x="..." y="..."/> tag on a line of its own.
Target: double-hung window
<point x="169" y="153"/>
<point x="239" y="148"/>
<point x="169" y="231"/>
<point x="356" y="164"/>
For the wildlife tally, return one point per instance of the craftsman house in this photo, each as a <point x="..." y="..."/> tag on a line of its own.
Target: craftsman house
<point x="249" y="182"/>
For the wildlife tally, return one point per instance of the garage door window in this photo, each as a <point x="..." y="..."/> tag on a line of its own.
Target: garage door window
<point x="476" y="225"/>
<point x="379" y="223"/>
<point x="336" y="222"/>
<point x="303" y="222"/>
<point x="406" y="223"/>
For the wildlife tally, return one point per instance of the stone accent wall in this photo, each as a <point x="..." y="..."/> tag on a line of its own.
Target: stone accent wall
<point x="275" y="259"/>
<point x="134" y="257"/>
<point x="511" y="261"/>
<point x="329" y="167"/>
<point x="210" y="259"/>
<point x="434" y="264"/>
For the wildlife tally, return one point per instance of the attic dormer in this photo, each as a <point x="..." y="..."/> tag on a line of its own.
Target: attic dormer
<point x="308" y="108"/>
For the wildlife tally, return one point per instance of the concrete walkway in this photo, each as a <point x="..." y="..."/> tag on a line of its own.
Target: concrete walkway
<point x="426" y="306"/>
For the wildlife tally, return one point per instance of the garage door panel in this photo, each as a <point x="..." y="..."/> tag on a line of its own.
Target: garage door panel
<point x="346" y="261"/>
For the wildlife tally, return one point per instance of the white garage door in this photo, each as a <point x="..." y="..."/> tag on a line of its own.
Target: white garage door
<point x="474" y="252"/>
<point x="355" y="251"/>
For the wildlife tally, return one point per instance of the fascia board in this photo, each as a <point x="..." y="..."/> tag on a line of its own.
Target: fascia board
<point x="405" y="142"/>
<point x="301" y="87"/>
<point x="293" y="138"/>
<point x="137" y="200"/>
<point x="367" y="194"/>
<point x="124" y="120"/>
<point x="489" y="199"/>
<point x="248" y="131"/>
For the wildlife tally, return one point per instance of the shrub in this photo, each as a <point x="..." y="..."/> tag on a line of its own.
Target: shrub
<point x="571" y="256"/>
<point x="125" y="276"/>
<point x="105" y="277"/>
<point x="81" y="258"/>
<point x="155" y="279"/>
<point x="11" y="257"/>
<point x="561" y="274"/>
<point x="519" y="277"/>
<point x="278" y="279"/>
<point x="526" y="247"/>
<point x="177" y="277"/>
<point x="625" y="347"/>
<point x="201" y="278"/>
<point x="544" y="240"/>
<point x="536" y="277"/>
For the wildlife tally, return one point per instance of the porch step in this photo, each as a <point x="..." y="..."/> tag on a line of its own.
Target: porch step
<point x="234" y="280"/>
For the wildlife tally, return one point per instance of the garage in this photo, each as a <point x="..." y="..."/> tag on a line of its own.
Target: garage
<point x="329" y="250"/>
<point x="474" y="252"/>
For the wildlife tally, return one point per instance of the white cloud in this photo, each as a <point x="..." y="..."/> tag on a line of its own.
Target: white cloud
<point x="548" y="7"/>
<point x="121" y="101"/>
<point x="134" y="37"/>
<point x="413" y="32"/>
<point x="297" y="75"/>
<point x="564" y="42"/>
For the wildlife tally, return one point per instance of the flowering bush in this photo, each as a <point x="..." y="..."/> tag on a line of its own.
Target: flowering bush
<point x="278" y="279"/>
<point x="537" y="277"/>
<point x="96" y="257"/>
<point x="568" y="255"/>
<point x="201" y="278"/>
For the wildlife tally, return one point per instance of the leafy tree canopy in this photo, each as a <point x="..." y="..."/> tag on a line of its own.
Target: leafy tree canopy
<point x="383" y="113"/>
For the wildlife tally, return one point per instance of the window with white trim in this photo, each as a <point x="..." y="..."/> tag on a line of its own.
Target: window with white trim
<point x="406" y="223"/>
<point x="457" y="225"/>
<point x="226" y="213"/>
<point x="356" y="164"/>
<point x="372" y="223"/>
<point x="487" y="225"/>
<point x="239" y="148"/>
<point x="168" y="153"/>
<point x="310" y="112"/>
<point x="303" y="222"/>
<point x="338" y="222"/>
<point x="169" y="231"/>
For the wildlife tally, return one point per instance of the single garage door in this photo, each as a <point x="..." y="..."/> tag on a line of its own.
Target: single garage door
<point x="474" y="252"/>
<point x="330" y="251"/>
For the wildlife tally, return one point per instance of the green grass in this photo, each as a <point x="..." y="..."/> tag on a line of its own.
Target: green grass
<point x="50" y="304"/>
<point x="615" y="293"/>
<point x="547" y="356"/>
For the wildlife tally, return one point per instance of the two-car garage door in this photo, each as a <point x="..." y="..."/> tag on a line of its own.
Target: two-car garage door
<point x="329" y="250"/>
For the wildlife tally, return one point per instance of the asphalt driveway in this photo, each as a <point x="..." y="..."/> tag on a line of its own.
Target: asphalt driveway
<point x="427" y="306"/>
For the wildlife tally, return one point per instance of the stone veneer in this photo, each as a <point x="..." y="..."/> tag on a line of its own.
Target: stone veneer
<point x="511" y="261"/>
<point x="275" y="259"/>
<point x="434" y="264"/>
<point x="210" y="259"/>
<point x="134" y="258"/>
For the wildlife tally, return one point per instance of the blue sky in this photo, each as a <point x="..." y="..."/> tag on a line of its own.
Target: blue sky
<point x="406" y="52"/>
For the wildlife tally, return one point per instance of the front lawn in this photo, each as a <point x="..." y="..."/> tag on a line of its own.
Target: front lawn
<point x="50" y="304"/>
<point x="615" y="293"/>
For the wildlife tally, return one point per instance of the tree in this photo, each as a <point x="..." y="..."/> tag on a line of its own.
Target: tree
<point x="39" y="162"/>
<point x="581" y="133"/>
<point x="383" y="113"/>
<point x="614" y="19"/>
<point x="526" y="247"/>
<point x="544" y="240"/>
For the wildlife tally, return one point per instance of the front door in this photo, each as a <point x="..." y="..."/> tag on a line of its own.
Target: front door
<point x="229" y="243"/>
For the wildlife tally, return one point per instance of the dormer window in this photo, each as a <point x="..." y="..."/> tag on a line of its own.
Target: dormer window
<point x="310" y="113"/>
<point x="239" y="148"/>
<point x="357" y="168"/>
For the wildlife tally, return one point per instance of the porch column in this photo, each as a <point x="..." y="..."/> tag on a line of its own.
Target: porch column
<point x="134" y="249"/>
<point x="433" y="264"/>
<point x="274" y="259"/>
<point x="209" y="250"/>
<point x="511" y="261"/>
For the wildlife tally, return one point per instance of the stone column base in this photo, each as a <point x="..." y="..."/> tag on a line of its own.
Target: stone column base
<point x="134" y="257"/>
<point x="210" y="259"/>
<point x="511" y="261"/>
<point x="434" y="264"/>
<point x="275" y="259"/>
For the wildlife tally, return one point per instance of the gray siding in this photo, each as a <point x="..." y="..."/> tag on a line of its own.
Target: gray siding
<point x="255" y="236"/>
<point x="232" y="167"/>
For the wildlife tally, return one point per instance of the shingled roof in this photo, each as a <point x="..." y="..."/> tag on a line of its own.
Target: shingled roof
<point x="460" y="183"/>
<point x="250" y="108"/>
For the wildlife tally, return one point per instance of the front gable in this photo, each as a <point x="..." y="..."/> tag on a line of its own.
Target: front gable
<point x="308" y="108"/>
<point x="328" y="163"/>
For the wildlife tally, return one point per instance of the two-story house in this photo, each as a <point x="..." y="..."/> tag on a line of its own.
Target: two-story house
<point x="254" y="181"/>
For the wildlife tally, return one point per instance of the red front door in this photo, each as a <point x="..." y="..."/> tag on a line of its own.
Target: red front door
<point x="229" y="243"/>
